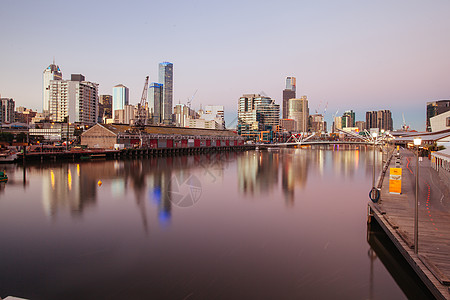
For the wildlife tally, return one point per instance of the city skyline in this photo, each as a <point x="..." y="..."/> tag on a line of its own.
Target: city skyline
<point x="359" y="56"/>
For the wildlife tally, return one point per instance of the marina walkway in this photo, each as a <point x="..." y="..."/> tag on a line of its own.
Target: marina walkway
<point x="395" y="213"/>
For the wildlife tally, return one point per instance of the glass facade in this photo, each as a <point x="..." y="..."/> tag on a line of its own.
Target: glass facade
<point x="166" y="79"/>
<point x="298" y="110"/>
<point x="260" y="113"/>
<point x="121" y="97"/>
<point x="155" y="102"/>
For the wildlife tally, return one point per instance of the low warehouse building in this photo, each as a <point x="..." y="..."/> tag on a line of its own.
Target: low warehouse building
<point x="108" y="136"/>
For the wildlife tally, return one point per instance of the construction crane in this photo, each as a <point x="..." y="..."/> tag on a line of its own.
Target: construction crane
<point x="404" y="127"/>
<point x="189" y="102"/>
<point x="142" y="116"/>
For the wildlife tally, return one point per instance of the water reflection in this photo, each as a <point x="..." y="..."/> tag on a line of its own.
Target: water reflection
<point x="66" y="187"/>
<point x="258" y="171"/>
<point x="125" y="238"/>
<point x="382" y="248"/>
<point x="73" y="187"/>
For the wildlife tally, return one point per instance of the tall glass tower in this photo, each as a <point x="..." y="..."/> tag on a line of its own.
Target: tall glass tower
<point x="121" y="97"/>
<point x="288" y="93"/>
<point x="52" y="72"/>
<point x="155" y="102"/>
<point x="166" y="79"/>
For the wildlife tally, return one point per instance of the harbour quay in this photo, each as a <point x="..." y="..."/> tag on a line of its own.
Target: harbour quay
<point x="395" y="213"/>
<point x="114" y="141"/>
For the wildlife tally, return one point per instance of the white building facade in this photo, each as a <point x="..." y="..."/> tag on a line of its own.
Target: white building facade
<point x="77" y="100"/>
<point x="52" y="72"/>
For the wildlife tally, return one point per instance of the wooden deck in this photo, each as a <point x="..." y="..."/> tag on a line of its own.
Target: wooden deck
<point x="395" y="213"/>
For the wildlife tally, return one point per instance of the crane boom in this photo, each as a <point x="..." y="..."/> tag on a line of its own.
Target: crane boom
<point x="142" y="106"/>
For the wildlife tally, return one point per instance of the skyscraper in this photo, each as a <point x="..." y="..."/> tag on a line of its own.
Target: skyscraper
<point x="106" y="102"/>
<point x="7" y="114"/>
<point x="166" y="79"/>
<point x="381" y="119"/>
<point x="76" y="99"/>
<point x="298" y="110"/>
<point x="259" y="112"/>
<point x="121" y="97"/>
<point x="155" y="102"/>
<point x="52" y="72"/>
<point x="288" y="93"/>
<point x="348" y="119"/>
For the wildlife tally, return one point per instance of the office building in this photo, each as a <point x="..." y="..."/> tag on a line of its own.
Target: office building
<point x="166" y="79"/>
<point x="214" y="113"/>
<point x="183" y="114"/>
<point x="288" y="93"/>
<point x="126" y="115"/>
<point x="120" y="97"/>
<point x="435" y="108"/>
<point x="348" y="119"/>
<point x="317" y="123"/>
<point x="258" y="112"/>
<point x="155" y="103"/>
<point x="298" y="110"/>
<point x="52" y="72"/>
<point x="7" y="112"/>
<point x="361" y="125"/>
<point x="74" y="99"/>
<point x="105" y="106"/>
<point x="440" y="122"/>
<point x="337" y="124"/>
<point x="24" y="115"/>
<point x="288" y="125"/>
<point x="202" y="123"/>
<point x="381" y="119"/>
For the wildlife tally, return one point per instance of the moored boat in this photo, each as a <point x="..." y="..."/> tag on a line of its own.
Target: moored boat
<point x="8" y="156"/>
<point x="3" y="176"/>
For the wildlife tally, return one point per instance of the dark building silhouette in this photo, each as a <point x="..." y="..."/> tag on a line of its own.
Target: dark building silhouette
<point x="381" y="119"/>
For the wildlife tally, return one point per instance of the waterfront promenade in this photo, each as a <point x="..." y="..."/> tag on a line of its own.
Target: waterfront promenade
<point x="395" y="213"/>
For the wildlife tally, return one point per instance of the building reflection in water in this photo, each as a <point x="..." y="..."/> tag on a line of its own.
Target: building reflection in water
<point x="64" y="186"/>
<point x="258" y="171"/>
<point x="74" y="186"/>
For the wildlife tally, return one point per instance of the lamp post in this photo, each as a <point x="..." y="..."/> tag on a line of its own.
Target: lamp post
<point x="417" y="142"/>
<point x="374" y="135"/>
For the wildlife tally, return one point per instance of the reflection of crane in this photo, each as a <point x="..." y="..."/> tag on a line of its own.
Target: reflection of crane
<point x="189" y="102"/>
<point x="141" y="120"/>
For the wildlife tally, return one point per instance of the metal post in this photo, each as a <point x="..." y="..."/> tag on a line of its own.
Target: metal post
<point x="416" y="210"/>
<point x="373" y="172"/>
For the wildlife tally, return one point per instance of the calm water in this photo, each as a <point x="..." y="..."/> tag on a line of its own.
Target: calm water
<point x="284" y="224"/>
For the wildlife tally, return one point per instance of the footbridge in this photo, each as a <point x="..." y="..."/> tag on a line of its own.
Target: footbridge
<point x="350" y="138"/>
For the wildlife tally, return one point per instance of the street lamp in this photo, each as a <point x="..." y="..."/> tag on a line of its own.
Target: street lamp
<point x="417" y="142"/>
<point x="374" y="135"/>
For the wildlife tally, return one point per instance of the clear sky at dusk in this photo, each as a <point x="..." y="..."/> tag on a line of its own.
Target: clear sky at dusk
<point x="360" y="55"/>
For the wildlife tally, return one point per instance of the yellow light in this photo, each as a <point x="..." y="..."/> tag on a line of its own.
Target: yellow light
<point x="69" y="180"/>
<point x="52" y="178"/>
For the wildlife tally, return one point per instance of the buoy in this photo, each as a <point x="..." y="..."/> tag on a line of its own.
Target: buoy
<point x="99" y="183"/>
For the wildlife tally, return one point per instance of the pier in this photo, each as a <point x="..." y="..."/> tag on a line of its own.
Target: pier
<point x="89" y="154"/>
<point x="395" y="214"/>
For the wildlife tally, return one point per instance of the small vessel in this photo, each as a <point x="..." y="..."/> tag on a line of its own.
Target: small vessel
<point x="3" y="176"/>
<point x="8" y="156"/>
